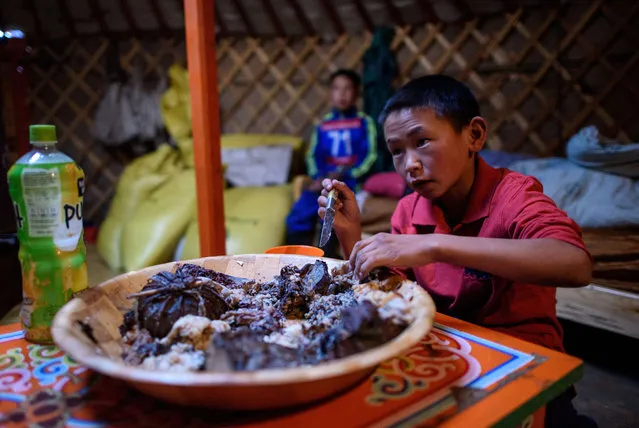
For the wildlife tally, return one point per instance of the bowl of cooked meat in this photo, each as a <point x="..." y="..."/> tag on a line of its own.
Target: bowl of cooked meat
<point x="244" y="332"/>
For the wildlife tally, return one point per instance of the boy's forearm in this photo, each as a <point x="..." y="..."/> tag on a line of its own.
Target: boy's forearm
<point x="347" y="239"/>
<point x="536" y="261"/>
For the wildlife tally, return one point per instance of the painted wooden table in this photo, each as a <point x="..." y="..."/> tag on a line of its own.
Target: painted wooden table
<point x="459" y="375"/>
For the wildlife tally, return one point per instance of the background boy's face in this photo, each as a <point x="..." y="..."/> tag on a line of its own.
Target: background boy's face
<point x="427" y="151"/>
<point x="343" y="93"/>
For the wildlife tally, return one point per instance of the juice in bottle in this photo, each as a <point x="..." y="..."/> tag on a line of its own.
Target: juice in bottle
<point x="47" y="190"/>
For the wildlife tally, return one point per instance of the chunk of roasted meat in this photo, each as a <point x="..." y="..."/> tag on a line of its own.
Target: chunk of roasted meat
<point x="326" y="311"/>
<point x="294" y="301"/>
<point x="361" y="328"/>
<point x="141" y="345"/>
<point x="168" y="297"/>
<point x="195" y="271"/>
<point x="317" y="279"/>
<point x="243" y="349"/>
<point x="264" y="321"/>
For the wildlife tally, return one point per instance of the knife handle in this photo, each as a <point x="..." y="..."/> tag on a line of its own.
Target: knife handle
<point x="332" y="198"/>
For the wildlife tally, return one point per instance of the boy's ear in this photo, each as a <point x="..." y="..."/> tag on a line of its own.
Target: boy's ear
<point x="478" y="132"/>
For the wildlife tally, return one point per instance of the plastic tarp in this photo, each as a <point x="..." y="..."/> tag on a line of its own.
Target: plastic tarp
<point x="128" y="111"/>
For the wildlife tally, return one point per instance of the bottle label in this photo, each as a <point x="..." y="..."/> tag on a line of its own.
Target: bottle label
<point x="68" y="232"/>
<point x="42" y="197"/>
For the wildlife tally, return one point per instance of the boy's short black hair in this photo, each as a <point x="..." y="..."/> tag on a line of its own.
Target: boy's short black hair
<point x="353" y="76"/>
<point x="448" y="97"/>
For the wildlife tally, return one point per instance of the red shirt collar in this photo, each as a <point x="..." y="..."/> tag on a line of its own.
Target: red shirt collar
<point x="479" y="202"/>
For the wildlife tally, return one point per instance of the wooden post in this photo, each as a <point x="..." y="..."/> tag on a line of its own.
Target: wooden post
<point x="200" y="45"/>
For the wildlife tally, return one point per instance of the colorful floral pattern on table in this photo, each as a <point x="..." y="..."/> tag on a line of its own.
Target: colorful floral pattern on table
<point x="439" y="358"/>
<point x="40" y="384"/>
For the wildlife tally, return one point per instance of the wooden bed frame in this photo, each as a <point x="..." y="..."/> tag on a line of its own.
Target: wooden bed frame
<point x="611" y="302"/>
<point x="601" y="307"/>
<point x="616" y="256"/>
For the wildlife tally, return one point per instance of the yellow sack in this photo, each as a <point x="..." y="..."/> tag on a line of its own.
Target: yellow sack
<point x="241" y="141"/>
<point x="255" y="220"/>
<point x="192" y="236"/>
<point x="152" y="233"/>
<point x="175" y="104"/>
<point x="139" y="179"/>
<point x="191" y="248"/>
<point x="186" y="151"/>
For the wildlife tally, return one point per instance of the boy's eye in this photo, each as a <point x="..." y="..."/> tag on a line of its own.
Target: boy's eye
<point x="422" y="142"/>
<point x="396" y="152"/>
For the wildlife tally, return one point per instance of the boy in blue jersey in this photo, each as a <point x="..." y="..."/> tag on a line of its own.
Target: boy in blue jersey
<point x="343" y="146"/>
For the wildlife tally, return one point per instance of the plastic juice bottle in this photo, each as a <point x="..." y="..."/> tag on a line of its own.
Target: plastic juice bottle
<point x="47" y="190"/>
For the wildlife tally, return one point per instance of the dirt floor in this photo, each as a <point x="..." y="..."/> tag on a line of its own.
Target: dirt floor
<point x="609" y="390"/>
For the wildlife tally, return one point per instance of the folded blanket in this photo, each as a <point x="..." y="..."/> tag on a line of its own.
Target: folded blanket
<point x="592" y="198"/>
<point x="589" y="149"/>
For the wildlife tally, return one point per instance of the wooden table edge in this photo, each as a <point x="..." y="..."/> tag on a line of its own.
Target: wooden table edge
<point x="573" y="370"/>
<point x="538" y="401"/>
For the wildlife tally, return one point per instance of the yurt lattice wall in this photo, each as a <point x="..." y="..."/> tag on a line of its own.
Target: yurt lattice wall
<point x="540" y="75"/>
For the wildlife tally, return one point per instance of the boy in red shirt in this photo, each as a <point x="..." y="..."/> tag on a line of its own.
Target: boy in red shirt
<point x="486" y="243"/>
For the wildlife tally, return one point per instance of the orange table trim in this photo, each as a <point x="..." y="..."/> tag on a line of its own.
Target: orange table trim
<point x="553" y="374"/>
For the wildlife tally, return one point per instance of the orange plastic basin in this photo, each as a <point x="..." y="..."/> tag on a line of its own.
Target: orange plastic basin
<point x="301" y="250"/>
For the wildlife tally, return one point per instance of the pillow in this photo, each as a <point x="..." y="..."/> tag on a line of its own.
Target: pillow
<point x="257" y="166"/>
<point x="387" y="184"/>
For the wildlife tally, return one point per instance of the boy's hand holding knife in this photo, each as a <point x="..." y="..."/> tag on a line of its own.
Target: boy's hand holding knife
<point x="383" y="249"/>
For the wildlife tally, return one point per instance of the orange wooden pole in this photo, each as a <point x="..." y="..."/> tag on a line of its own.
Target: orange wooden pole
<point x="200" y="46"/>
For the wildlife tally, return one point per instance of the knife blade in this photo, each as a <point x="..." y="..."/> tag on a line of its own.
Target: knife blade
<point x="329" y="217"/>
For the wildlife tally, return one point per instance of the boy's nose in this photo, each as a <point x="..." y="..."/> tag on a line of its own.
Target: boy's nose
<point x="413" y="164"/>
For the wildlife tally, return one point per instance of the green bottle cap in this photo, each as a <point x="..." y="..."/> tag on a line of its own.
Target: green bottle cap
<point x="42" y="134"/>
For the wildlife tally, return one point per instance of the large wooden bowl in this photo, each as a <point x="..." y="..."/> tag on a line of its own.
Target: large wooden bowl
<point x="103" y="306"/>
